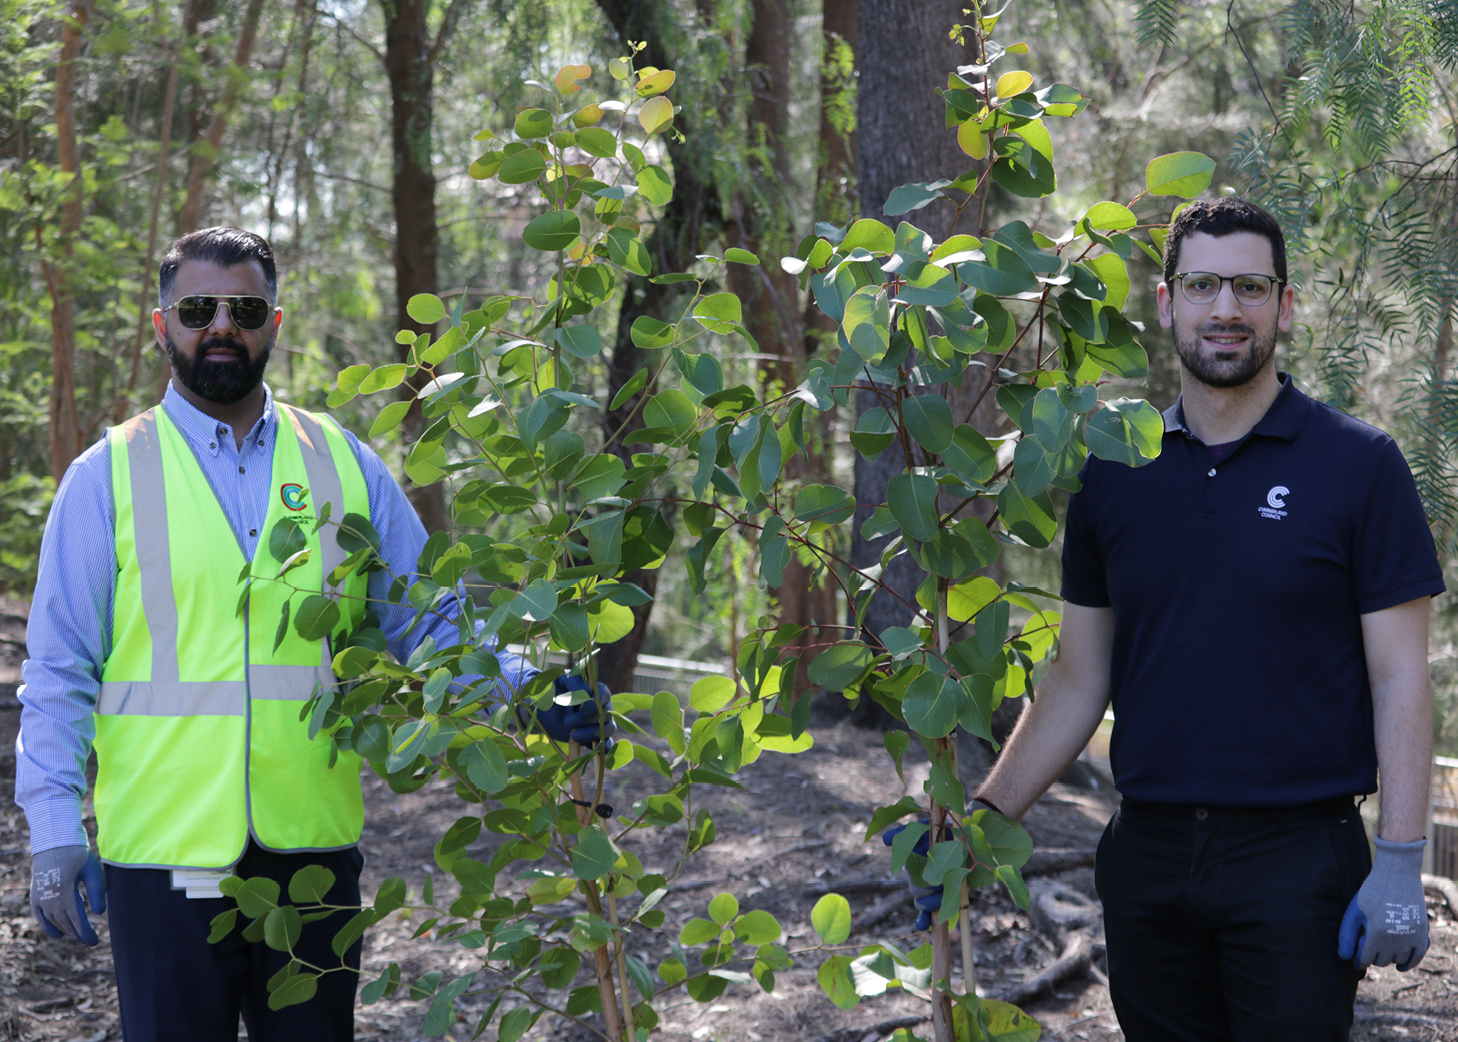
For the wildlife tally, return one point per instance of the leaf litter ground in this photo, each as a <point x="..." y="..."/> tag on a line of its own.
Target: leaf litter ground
<point x="792" y="834"/>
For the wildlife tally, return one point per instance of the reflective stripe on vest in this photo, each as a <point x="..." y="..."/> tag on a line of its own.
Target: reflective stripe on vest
<point x="199" y="742"/>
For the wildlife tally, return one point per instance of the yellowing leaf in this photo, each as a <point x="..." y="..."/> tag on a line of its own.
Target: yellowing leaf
<point x="655" y="83"/>
<point x="568" y="75"/>
<point x="587" y="116"/>
<point x="972" y="140"/>
<point x="1010" y="83"/>
<point x="656" y="115"/>
<point x="609" y="622"/>
<point x="966" y="599"/>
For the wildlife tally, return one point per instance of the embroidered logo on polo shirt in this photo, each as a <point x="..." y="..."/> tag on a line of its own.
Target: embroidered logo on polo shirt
<point x="1274" y="503"/>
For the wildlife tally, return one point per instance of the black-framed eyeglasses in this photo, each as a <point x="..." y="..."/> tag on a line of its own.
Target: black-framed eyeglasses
<point x="1251" y="290"/>
<point x="197" y="310"/>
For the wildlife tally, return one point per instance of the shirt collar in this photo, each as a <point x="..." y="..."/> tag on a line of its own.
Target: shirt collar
<point x="1284" y="419"/>
<point x="203" y="430"/>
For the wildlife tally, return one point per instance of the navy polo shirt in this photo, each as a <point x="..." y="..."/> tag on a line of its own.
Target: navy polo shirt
<point x="1238" y="674"/>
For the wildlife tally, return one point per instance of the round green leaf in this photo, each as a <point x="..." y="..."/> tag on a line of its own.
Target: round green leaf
<point x="552" y="231"/>
<point x="383" y="378"/>
<point x="654" y="182"/>
<point x="928" y="419"/>
<point x="533" y="604"/>
<point x="581" y="341"/>
<point x="913" y="502"/>
<point x="569" y="627"/>
<point x="672" y="971"/>
<point x="485" y="766"/>
<point x="831" y="918"/>
<point x="737" y="256"/>
<point x="839" y="665"/>
<point x="758" y="927"/>
<point x="698" y="931"/>
<point x="824" y="503"/>
<point x="650" y="334"/>
<point x="532" y="123"/>
<point x="933" y="704"/>
<point x="425" y="308"/>
<point x="1185" y="174"/>
<point x="656" y="115"/>
<point x="594" y="855"/>
<point x="711" y="694"/>
<point x="522" y="167"/>
<point x="390" y="417"/>
<point x="867" y="323"/>
<point x="627" y="250"/>
<point x="1108" y="216"/>
<point x="719" y="312"/>
<point x="596" y="141"/>
<point x="723" y="908"/>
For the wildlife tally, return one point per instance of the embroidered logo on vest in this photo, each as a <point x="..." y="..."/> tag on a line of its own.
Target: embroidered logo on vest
<point x="295" y="497"/>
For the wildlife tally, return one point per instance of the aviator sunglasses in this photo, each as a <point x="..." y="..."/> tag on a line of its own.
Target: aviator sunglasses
<point x="197" y="311"/>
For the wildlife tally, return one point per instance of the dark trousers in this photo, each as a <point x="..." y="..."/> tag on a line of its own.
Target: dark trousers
<point x="174" y="986"/>
<point x="1222" y="924"/>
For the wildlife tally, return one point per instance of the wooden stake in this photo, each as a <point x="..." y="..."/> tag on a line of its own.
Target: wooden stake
<point x="602" y="963"/>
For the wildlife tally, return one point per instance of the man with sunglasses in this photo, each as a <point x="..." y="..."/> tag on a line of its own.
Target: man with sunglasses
<point x="137" y="648"/>
<point x="1254" y="602"/>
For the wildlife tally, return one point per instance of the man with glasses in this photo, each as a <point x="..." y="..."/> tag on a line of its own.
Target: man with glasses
<point x="137" y="647"/>
<point x="1254" y="602"/>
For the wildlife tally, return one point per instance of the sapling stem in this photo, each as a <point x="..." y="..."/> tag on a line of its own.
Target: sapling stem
<point x="941" y="935"/>
<point x="601" y="962"/>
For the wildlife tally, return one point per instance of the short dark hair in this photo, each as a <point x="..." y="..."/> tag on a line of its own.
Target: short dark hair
<point x="224" y="246"/>
<point x="1221" y="217"/>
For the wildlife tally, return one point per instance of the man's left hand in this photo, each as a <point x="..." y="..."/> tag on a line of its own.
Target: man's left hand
<point x="586" y="723"/>
<point x="1387" y="922"/>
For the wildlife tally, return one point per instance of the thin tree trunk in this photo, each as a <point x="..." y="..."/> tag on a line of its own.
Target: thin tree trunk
<point x="204" y="157"/>
<point x="65" y="423"/>
<point x="410" y="57"/>
<point x="687" y="221"/>
<point x="125" y="403"/>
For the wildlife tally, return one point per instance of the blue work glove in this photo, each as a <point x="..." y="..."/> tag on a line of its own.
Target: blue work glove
<point x="584" y="724"/>
<point x="56" y="876"/>
<point x="1387" y="922"/>
<point x="928" y="899"/>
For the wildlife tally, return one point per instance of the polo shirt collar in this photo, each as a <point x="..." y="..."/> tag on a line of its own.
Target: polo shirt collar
<point x="202" y="430"/>
<point x="1284" y="419"/>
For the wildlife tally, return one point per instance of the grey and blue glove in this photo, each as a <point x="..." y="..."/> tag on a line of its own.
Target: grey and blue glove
<point x="1387" y="922"/>
<point x="586" y="723"/>
<point x="928" y="899"/>
<point x="56" y="878"/>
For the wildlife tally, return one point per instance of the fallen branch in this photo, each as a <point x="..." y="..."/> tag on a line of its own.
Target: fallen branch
<point x="1075" y="961"/>
<point x="884" y="909"/>
<point x="1068" y="920"/>
<point x="856" y="886"/>
<point x="1051" y="862"/>
<point x="872" y="1032"/>
<point x="1444" y="888"/>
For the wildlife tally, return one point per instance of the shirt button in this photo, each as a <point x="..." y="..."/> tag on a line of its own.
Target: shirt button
<point x="1211" y="474"/>
<point x="241" y="471"/>
<point x="212" y="445"/>
<point x="253" y="531"/>
<point x="1202" y="814"/>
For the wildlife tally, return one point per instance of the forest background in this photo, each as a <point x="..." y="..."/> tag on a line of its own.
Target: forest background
<point x="344" y="132"/>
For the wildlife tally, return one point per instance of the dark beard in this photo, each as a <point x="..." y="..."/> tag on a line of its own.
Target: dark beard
<point x="1215" y="373"/>
<point x="220" y="382"/>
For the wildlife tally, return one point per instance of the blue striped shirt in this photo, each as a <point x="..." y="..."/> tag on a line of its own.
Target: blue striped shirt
<point x="69" y="634"/>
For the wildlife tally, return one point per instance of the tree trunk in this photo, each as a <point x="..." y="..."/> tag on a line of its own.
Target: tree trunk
<point x="686" y="222"/>
<point x="65" y="423"/>
<point x="904" y="56"/>
<point x="205" y="155"/>
<point x="410" y="57"/>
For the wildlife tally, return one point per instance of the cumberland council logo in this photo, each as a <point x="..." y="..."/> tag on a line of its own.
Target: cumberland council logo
<point x="1275" y="500"/>
<point x="295" y="497"/>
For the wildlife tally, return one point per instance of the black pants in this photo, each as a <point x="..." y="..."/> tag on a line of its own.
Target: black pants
<point x="174" y="986"/>
<point x="1222" y="924"/>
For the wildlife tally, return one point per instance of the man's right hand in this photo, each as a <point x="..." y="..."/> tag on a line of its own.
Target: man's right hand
<point x="56" y="877"/>
<point x="586" y="723"/>
<point x="928" y="899"/>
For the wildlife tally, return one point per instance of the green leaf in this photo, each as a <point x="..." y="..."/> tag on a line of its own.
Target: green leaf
<point x="672" y="409"/>
<point x="758" y="927"/>
<point x="281" y="928"/>
<point x="535" y="603"/>
<point x="649" y="334"/>
<point x="349" y="378"/>
<point x="297" y="989"/>
<point x="929" y="284"/>
<point x="1031" y="518"/>
<point x="928" y="419"/>
<point x="522" y="167"/>
<point x="870" y="235"/>
<point x="425" y="308"/>
<point x="558" y="968"/>
<point x="1113" y="272"/>
<point x="735" y="255"/>
<point x="552" y="231"/>
<point x="933" y="704"/>
<point x="656" y="115"/>
<point x="532" y="123"/>
<point x="913" y="501"/>
<point x="569" y="627"/>
<point x="390" y="417"/>
<point x="831" y="918"/>
<point x="655" y="185"/>
<point x="514" y="1023"/>
<point x="1127" y="430"/>
<point x="867" y="323"/>
<point x="626" y="250"/>
<point x="913" y="197"/>
<point x="719" y="312"/>
<point x="834" y="974"/>
<point x="316" y="618"/>
<point x="698" y="931"/>
<point x="671" y="970"/>
<point x="711" y="694"/>
<point x="1110" y="217"/>
<point x="723" y="908"/>
<point x="580" y="341"/>
<point x="594" y="855"/>
<point x="222" y="924"/>
<point x="1003" y="272"/>
<point x="596" y="141"/>
<point x="826" y="504"/>
<point x="903" y="807"/>
<point x="839" y="665"/>
<point x="384" y="378"/>
<point x="1185" y="174"/>
<point x="485" y="766"/>
<point x="896" y="742"/>
<point x="310" y="884"/>
<point x="970" y="456"/>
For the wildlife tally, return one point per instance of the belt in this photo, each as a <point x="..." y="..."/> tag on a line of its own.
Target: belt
<point x="1320" y="809"/>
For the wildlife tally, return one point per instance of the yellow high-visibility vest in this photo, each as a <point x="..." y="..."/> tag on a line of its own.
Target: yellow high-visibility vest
<point x="198" y="738"/>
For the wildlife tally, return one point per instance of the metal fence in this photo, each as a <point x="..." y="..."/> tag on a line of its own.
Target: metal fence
<point x="1442" y="850"/>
